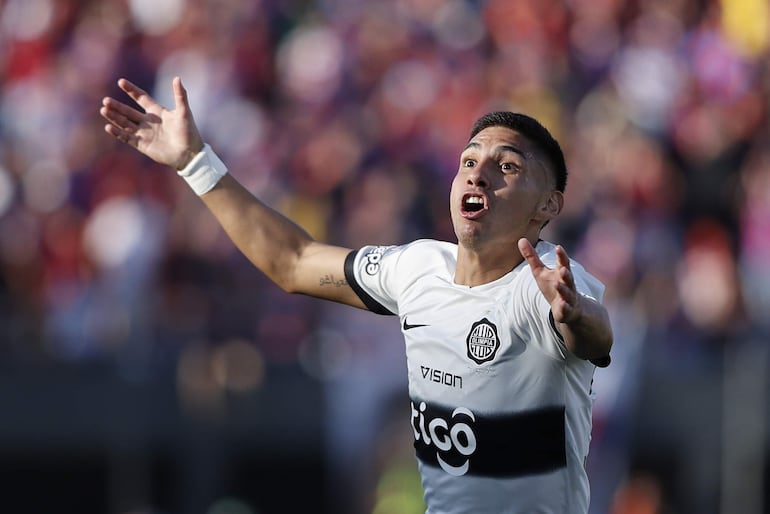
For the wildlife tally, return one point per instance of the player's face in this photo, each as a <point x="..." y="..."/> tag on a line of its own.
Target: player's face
<point x="502" y="190"/>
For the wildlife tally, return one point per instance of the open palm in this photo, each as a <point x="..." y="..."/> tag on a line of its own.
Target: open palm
<point x="167" y="136"/>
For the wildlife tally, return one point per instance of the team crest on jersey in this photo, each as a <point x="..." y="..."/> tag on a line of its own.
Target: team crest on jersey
<point x="482" y="341"/>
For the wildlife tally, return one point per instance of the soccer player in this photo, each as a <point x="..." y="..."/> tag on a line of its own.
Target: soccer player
<point x="503" y="331"/>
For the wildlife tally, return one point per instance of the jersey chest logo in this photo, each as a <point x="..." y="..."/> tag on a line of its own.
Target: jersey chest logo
<point x="482" y="341"/>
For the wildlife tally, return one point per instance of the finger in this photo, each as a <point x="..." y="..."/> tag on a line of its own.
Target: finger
<point x="563" y="312"/>
<point x="117" y="120"/>
<point x="567" y="294"/>
<point x="122" y="135"/>
<point x="121" y="113"/>
<point x="180" y="95"/>
<point x="562" y="257"/>
<point x="568" y="307"/>
<point x="137" y="94"/>
<point x="528" y="252"/>
<point x="566" y="275"/>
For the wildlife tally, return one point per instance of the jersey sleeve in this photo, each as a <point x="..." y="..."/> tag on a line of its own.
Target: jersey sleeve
<point x="371" y="273"/>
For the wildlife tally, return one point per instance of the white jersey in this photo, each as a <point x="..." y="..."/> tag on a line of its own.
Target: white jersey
<point x="501" y="410"/>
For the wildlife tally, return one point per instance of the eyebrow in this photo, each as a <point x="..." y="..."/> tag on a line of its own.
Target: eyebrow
<point x="506" y="148"/>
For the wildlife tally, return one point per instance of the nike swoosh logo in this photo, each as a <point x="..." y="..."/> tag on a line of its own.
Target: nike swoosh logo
<point x="407" y="326"/>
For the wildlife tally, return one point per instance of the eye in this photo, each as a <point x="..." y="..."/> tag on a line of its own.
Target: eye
<point x="509" y="167"/>
<point x="469" y="163"/>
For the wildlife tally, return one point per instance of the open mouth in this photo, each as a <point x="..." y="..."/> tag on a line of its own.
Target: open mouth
<point x="473" y="204"/>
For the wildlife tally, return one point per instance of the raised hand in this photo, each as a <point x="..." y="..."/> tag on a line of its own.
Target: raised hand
<point x="166" y="136"/>
<point x="557" y="284"/>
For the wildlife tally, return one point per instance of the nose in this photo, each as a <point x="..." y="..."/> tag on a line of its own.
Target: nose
<point x="477" y="177"/>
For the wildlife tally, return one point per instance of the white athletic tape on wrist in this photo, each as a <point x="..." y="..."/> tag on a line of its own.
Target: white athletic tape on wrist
<point x="204" y="171"/>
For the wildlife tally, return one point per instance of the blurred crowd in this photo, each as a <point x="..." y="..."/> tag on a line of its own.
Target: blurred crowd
<point x="349" y="116"/>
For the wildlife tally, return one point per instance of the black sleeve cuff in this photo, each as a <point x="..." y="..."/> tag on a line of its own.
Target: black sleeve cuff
<point x="601" y="362"/>
<point x="371" y="304"/>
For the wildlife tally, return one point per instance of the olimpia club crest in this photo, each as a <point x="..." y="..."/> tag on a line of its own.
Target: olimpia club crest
<point x="482" y="341"/>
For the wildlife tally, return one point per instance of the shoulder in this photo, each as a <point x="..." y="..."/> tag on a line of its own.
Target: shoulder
<point x="418" y="249"/>
<point x="416" y="258"/>
<point x="430" y="248"/>
<point x="546" y="250"/>
<point x="585" y="282"/>
<point x="429" y="255"/>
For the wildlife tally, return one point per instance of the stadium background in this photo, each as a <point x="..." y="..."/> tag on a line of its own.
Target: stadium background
<point x="145" y="367"/>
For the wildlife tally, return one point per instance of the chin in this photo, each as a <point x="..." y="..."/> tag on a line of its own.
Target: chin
<point x="468" y="236"/>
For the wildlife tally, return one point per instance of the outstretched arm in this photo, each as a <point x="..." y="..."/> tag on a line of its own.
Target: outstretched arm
<point x="583" y="322"/>
<point x="272" y="242"/>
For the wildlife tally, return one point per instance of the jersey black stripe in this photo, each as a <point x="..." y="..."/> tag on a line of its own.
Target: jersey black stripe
<point x="514" y="445"/>
<point x="371" y="304"/>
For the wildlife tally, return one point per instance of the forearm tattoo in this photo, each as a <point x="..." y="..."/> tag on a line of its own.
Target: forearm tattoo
<point x="331" y="280"/>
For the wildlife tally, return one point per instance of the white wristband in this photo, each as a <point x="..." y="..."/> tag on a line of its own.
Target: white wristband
<point x="204" y="171"/>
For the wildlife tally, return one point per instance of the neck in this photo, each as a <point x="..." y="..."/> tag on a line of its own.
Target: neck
<point x="475" y="268"/>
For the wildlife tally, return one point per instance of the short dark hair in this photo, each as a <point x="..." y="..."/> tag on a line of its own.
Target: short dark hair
<point x="534" y="131"/>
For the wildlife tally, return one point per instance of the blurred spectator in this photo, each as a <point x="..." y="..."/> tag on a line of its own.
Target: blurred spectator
<point x="349" y="116"/>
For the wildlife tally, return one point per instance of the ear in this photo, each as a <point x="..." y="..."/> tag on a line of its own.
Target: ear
<point x="551" y="205"/>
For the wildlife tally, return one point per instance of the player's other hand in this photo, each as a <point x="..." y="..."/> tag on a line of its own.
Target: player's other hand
<point x="167" y="136"/>
<point x="557" y="284"/>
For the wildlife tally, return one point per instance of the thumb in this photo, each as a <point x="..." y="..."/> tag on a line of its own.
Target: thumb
<point x="180" y="94"/>
<point x="529" y="253"/>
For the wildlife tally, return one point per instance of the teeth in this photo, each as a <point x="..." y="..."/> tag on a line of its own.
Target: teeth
<point x="475" y="199"/>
